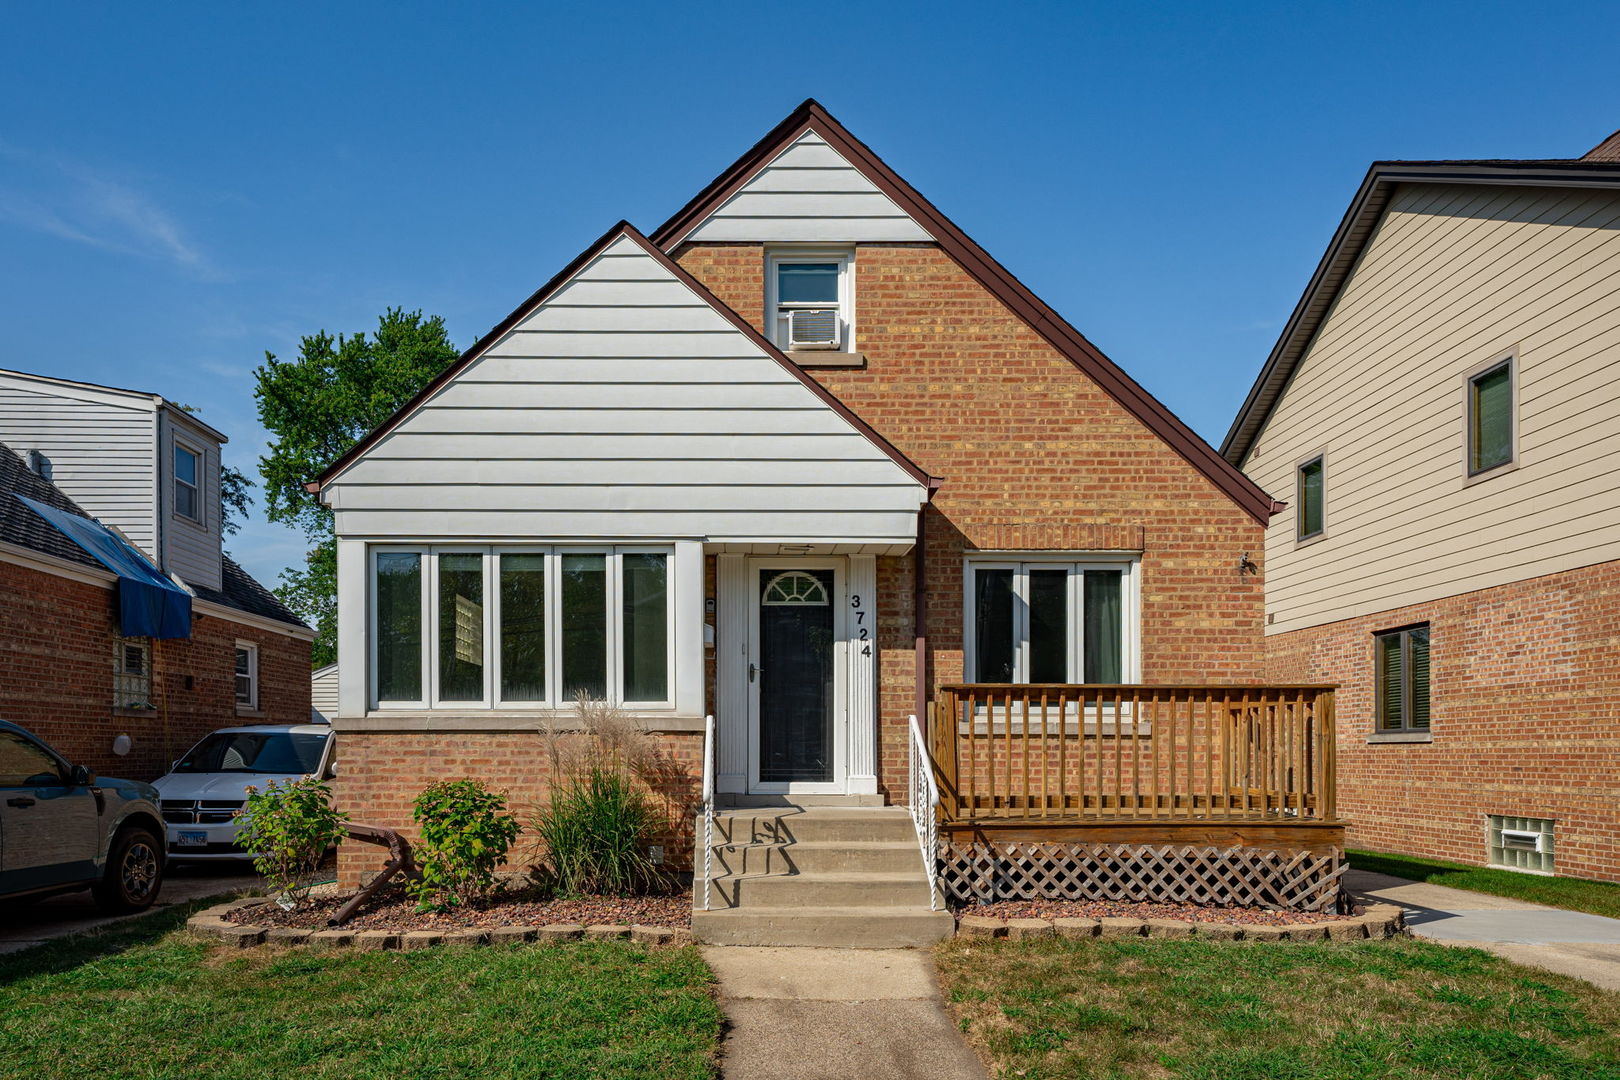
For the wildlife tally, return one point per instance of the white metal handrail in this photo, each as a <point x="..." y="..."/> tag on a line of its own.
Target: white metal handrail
<point x="708" y="806"/>
<point x="924" y="805"/>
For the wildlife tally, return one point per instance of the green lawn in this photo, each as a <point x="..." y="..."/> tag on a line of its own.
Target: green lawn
<point x="1190" y="1010"/>
<point x="149" y="1003"/>
<point x="1597" y="897"/>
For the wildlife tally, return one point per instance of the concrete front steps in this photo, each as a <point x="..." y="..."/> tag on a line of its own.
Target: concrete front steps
<point x="828" y="876"/>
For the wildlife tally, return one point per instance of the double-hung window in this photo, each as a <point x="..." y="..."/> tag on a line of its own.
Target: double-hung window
<point x="521" y="627"/>
<point x="808" y="296"/>
<point x="247" y="675"/>
<point x="187" y="483"/>
<point x="1402" y="679"/>
<point x="1051" y="620"/>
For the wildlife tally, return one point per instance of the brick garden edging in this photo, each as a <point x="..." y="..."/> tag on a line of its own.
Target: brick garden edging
<point x="1379" y="921"/>
<point x="211" y="923"/>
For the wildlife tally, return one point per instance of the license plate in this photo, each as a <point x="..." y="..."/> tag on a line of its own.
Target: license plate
<point x="192" y="839"/>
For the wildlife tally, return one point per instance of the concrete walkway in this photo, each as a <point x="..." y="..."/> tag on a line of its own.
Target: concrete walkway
<point x="809" y="1014"/>
<point x="23" y="926"/>
<point x="1568" y="942"/>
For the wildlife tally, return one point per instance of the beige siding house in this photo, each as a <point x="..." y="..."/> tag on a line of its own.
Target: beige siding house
<point x="1442" y="415"/>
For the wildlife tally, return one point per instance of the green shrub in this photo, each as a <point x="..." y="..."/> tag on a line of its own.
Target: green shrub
<point x="466" y="833"/>
<point x="597" y="830"/>
<point x="288" y="828"/>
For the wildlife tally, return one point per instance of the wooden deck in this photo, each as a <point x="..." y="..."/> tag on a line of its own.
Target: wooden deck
<point x="1224" y="766"/>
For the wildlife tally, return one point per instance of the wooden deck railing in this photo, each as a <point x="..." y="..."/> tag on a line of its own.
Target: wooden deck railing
<point x="1074" y="753"/>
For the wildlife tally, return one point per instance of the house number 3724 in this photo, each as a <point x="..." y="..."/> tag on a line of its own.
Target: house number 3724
<point x="862" y="633"/>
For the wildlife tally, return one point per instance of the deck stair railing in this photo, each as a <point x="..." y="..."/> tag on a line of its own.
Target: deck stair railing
<point x="1083" y="753"/>
<point x="923" y="802"/>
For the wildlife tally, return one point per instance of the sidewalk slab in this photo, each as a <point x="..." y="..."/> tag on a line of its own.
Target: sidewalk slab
<point x="832" y="1014"/>
<point x="1571" y="943"/>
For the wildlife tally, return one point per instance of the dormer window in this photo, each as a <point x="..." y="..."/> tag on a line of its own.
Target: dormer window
<point x="808" y="296"/>
<point x="187" y="471"/>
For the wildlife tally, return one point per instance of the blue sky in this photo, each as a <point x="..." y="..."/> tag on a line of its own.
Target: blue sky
<point x="184" y="186"/>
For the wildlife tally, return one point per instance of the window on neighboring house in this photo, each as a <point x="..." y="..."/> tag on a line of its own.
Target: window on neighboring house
<point x="1309" y="497"/>
<point x="1490" y="418"/>
<point x="132" y="674"/>
<point x="187" y="483"/>
<point x="516" y="627"/>
<point x="247" y="675"/>
<point x="1050" y="621"/>
<point x="809" y="298"/>
<point x="1403" y="679"/>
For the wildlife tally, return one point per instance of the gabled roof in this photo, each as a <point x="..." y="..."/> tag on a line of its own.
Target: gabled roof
<point x="1607" y="150"/>
<point x="626" y="231"/>
<point x="1046" y="322"/>
<point x="1351" y="238"/>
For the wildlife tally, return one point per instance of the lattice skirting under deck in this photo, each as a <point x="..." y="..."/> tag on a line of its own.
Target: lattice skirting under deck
<point x="1235" y="876"/>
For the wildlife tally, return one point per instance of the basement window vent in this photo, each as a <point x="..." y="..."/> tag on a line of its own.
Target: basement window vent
<point x="1520" y="843"/>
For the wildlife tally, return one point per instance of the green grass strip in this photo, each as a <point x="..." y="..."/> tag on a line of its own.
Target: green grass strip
<point x="146" y="1001"/>
<point x="1188" y="1010"/>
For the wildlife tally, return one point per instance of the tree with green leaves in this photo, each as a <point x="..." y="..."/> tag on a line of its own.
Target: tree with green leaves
<point x="316" y="408"/>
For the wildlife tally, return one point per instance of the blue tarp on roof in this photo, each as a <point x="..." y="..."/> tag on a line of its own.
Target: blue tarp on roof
<point x="149" y="604"/>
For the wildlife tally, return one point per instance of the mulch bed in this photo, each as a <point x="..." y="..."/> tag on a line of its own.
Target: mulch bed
<point x="398" y="913"/>
<point x="1099" y="909"/>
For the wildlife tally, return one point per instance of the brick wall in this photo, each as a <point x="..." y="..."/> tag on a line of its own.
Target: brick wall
<point x="57" y="640"/>
<point x="1525" y="720"/>
<point x="379" y="775"/>
<point x="1034" y="456"/>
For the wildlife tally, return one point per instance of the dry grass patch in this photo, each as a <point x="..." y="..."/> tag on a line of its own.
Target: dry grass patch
<point x="1190" y="1010"/>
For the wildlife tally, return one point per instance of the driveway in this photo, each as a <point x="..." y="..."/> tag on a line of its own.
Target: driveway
<point x="25" y="925"/>
<point x="1568" y="942"/>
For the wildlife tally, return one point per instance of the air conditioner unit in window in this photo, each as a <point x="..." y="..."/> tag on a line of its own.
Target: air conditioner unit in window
<point x="813" y="328"/>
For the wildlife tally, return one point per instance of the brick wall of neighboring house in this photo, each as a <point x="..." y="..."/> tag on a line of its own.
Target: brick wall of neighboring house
<point x="1525" y="720"/>
<point x="57" y="642"/>
<point x="1034" y="456"/>
<point x="379" y="776"/>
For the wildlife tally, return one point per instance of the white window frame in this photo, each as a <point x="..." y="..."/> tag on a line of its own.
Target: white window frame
<point x="1129" y="566"/>
<point x="201" y="517"/>
<point x="372" y="688"/>
<point x="252" y="650"/>
<point x="491" y="552"/>
<point x="430" y="651"/>
<point x="777" y="324"/>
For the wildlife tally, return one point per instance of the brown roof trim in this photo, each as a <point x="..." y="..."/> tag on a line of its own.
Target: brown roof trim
<point x="989" y="273"/>
<point x="541" y="295"/>
<point x="1355" y="229"/>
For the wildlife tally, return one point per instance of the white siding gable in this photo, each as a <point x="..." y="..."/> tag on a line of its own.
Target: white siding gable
<point x="626" y="406"/>
<point x="100" y="448"/>
<point x="810" y="193"/>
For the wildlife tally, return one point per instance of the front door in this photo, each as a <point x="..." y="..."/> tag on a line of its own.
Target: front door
<point x="795" y="682"/>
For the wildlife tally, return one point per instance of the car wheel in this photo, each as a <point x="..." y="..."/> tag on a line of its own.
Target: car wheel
<point x="134" y="872"/>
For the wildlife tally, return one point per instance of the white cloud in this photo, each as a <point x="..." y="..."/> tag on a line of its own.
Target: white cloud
<point x="71" y="201"/>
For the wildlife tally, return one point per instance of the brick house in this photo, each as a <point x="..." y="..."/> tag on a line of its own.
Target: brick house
<point x="73" y="671"/>
<point x="797" y="460"/>
<point x="1442" y="411"/>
